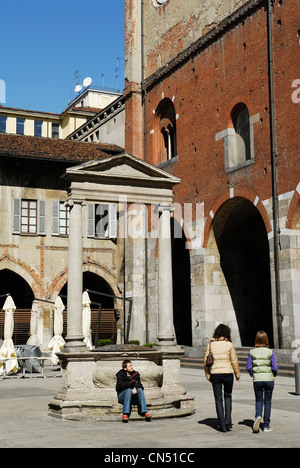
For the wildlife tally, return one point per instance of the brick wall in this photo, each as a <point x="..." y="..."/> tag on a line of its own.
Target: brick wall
<point x="206" y="70"/>
<point x="205" y="88"/>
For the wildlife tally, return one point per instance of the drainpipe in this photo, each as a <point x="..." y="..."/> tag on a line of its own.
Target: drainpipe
<point x="144" y="98"/>
<point x="276" y="228"/>
<point x="144" y="90"/>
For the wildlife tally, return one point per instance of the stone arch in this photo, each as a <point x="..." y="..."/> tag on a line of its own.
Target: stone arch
<point x="293" y="217"/>
<point x="238" y="244"/>
<point x="241" y="193"/>
<point x="17" y="286"/>
<point x="107" y="276"/>
<point x="61" y="280"/>
<point x="29" y="274"/>
<point x="98" y="278"/>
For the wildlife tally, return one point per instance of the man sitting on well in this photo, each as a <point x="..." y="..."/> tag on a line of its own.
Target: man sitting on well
<point x="131" y="391"/>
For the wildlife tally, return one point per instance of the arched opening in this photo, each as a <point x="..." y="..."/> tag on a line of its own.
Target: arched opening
<point x="242" y="242"/>
<point x="182" y="305"/>
<point x="241" y="123"/>
<point x="13" y="284"/>
<point x="165" y="147"/>
<point x="108" y="319"/>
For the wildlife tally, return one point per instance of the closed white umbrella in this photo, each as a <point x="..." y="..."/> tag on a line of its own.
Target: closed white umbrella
<point x="57" y="342"/>
<point x="8" y="349"/>
<point x="86" y="319"/>
<point x="33" y="340"/>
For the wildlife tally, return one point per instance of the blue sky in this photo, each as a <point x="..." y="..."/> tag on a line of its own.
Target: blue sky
<point x="44" y="43"/>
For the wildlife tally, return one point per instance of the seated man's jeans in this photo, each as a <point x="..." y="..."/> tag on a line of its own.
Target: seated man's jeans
<point x="126" y="398"/>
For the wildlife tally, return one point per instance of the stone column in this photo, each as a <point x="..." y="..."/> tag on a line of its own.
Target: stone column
<point x="166" y="336"/>
<point x="74" y="338"/>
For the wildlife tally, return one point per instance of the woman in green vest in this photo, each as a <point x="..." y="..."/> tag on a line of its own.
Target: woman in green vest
<point x="262" y="366"/>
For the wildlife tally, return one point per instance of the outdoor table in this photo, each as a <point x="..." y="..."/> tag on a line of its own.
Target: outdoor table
<point x="23" y="367"/>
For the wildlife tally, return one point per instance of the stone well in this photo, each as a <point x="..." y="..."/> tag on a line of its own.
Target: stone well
<point x="88" y="389"/>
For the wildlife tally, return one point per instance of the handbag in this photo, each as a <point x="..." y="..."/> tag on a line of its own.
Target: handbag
<point x="210" y="359"/>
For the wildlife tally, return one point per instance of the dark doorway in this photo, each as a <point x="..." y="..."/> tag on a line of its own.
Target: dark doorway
<point x="244" y="254"/>
<point x="108" y="324"/>
<point x="181" y="288"/>
<point x="22" y="295"/>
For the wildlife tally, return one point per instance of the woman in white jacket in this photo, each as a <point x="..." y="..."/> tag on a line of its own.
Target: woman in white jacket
<point x="220" y="373"/>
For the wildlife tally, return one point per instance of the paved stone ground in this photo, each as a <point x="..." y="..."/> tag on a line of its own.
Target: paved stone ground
<point x="24" y="421"/>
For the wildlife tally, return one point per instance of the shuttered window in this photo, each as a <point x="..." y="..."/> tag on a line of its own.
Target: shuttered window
<point x="60" y="219"/>
<point x="29" y="216"/>
<point x="102" y="220"/>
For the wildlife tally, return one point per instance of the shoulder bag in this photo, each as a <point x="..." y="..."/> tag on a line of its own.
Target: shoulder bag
<point x="210" y="358"/>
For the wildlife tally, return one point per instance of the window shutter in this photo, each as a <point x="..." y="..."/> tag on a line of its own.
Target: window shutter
<point x="17" y="216"/>
<point x="55" y="218"/>
<point x="91" y="220"/>
<point x="42" y="217"/>
<point x="112" y="231"/>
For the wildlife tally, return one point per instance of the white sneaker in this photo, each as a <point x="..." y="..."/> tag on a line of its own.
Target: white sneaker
<point x="268" y="429"/>
<point x="256" y="424"/>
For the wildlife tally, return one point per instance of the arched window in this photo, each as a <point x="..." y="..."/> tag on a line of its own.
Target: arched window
<point x="238" y="138"/>
<point x="165" y="147"/>
<point x="241" y="124"/>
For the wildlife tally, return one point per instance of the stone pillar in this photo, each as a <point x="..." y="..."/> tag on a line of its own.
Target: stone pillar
<point x="74" y="338"/>
<point x="135" y="265"/>
<point x="166" y="336"/>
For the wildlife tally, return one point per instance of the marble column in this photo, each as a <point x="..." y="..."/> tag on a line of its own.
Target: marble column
<point x="166" y="336"/>
<point x="74" y="338"/>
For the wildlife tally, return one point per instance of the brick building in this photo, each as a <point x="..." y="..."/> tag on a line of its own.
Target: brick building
<point x="212" y="97"/>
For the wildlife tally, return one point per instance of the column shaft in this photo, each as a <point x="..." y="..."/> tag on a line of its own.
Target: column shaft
<point x="74" y="338"/>
<point x="166" y="335"/>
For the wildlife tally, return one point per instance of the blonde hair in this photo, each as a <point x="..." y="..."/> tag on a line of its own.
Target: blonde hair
<point x="261" y="339"/>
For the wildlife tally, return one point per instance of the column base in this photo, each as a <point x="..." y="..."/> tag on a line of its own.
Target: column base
<point x="74" y="344"/>
<point x="166" y="341"/>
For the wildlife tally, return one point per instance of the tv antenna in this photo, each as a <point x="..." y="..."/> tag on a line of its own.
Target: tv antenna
<point x="117" y="72"/>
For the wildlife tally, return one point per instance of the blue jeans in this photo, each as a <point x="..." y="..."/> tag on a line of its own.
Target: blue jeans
<point x="127" y="399"/>
<point x="220" y="381"/>
<point x="263" y="398"/>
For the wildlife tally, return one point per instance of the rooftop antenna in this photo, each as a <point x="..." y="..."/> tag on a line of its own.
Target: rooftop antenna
<point x="102" y="76"/>
<point x="117" y="72"/>
<point x="78" y="86"/>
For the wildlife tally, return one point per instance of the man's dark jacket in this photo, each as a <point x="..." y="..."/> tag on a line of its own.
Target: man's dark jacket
<point x="125" y="381"/>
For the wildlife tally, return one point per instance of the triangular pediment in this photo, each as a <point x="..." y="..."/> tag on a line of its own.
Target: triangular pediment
<point x="122" y="168"/>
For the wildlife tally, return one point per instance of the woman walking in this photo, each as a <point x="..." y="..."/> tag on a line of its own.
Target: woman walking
<point x="220" y="373"/>
<point x="262" y="366"/>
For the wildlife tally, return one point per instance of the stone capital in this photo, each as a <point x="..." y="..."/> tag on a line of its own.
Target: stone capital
<point x="75" y="201"/>
<point x="166" y="207"/>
